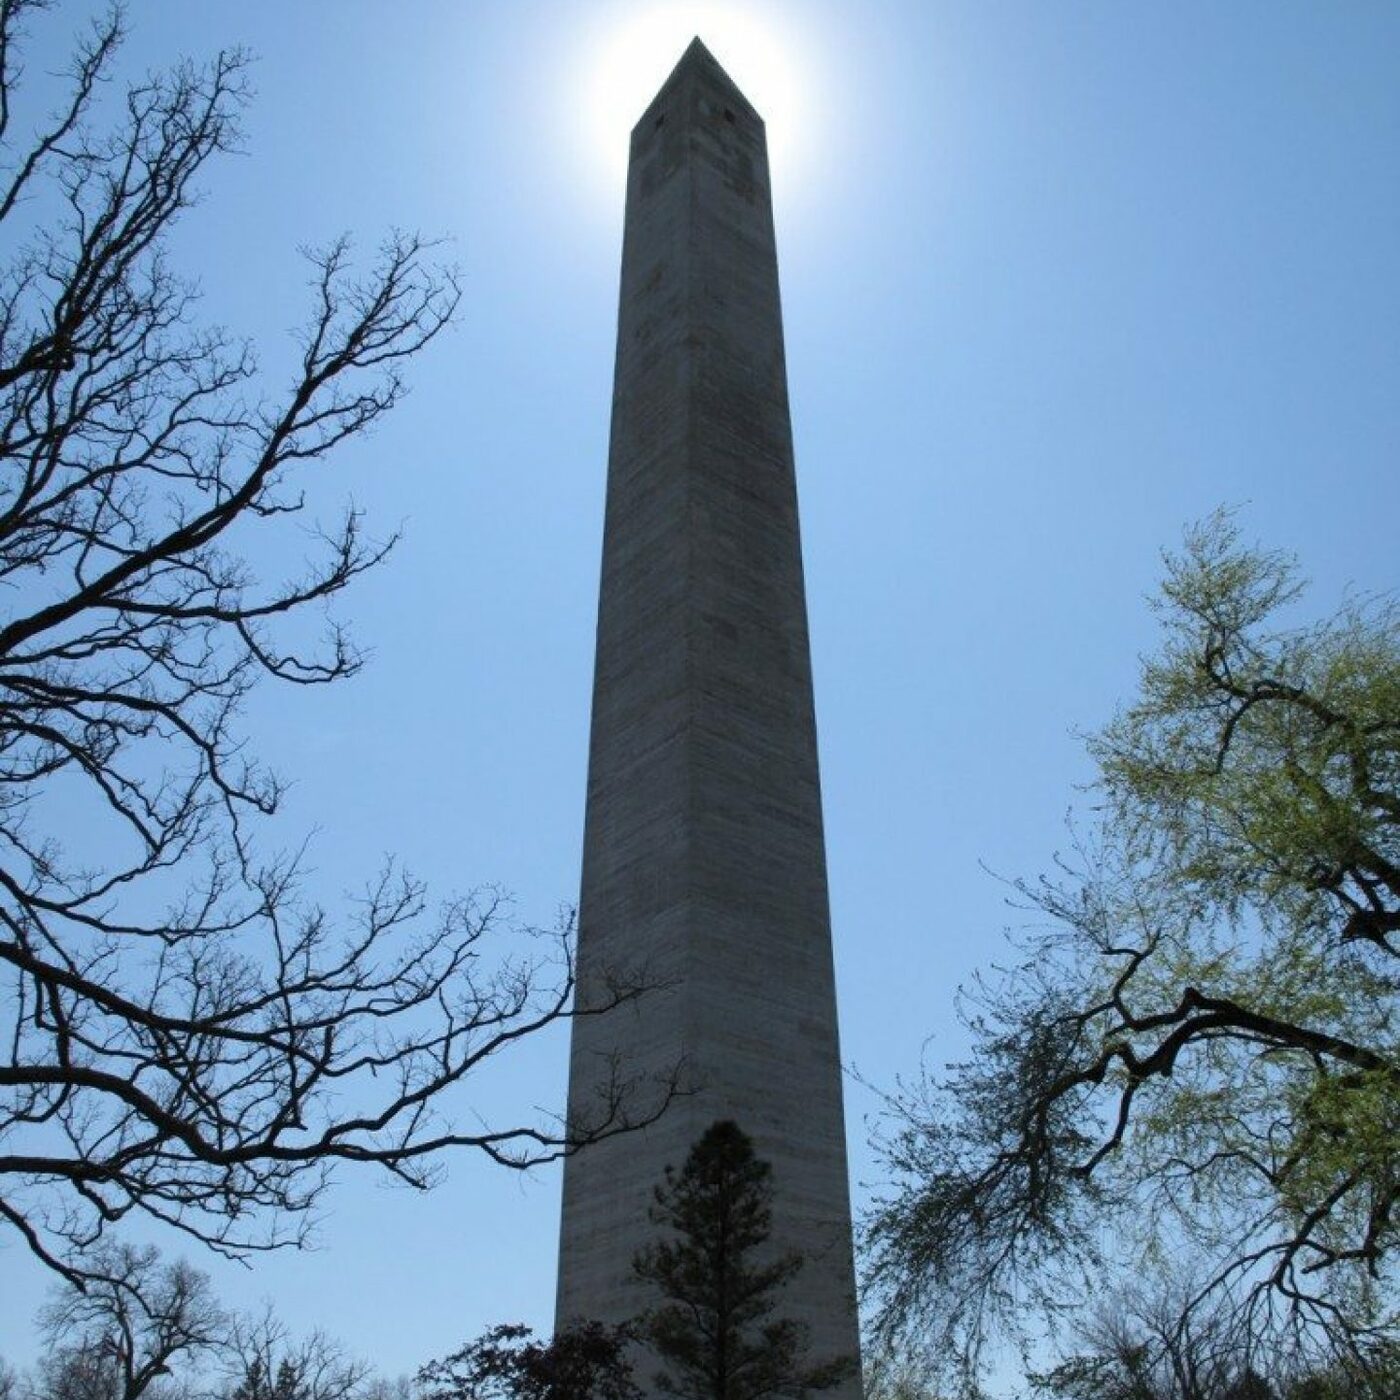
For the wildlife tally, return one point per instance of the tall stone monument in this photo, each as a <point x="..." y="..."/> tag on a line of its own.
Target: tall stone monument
<point x="704" y="860"/>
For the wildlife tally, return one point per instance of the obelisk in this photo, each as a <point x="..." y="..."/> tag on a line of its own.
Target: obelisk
<point x="704" y="864"/>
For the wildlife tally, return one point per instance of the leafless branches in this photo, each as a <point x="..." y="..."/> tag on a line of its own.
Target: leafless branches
<point x="187" y="1035"/>
<point x="263" y="1361"/>
<point x="137" y="1320"/>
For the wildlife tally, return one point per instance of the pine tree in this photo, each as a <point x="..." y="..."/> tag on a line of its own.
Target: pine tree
<point x="716" y="1334"/>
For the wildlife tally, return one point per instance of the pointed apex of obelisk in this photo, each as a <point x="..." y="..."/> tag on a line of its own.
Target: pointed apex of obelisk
<point x="695" y="52"/>
<point x="698" y="58"/>
<point x="699" y="64"/>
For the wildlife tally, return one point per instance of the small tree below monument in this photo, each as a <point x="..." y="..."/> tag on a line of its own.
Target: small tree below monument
<point x="588" y="1361"/>
<point x="716" y="1333"/>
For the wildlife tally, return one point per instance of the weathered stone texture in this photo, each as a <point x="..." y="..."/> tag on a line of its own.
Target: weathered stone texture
<point x="703" y="849"/>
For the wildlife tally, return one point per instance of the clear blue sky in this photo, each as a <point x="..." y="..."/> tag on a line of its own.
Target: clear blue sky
<point x="1058" y="279"/>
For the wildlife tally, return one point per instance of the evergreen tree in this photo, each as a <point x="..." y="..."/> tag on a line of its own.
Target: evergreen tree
<point x="716" y="1334"/>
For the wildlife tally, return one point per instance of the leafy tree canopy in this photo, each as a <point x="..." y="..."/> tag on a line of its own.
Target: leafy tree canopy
<point x="585" y="1362"/>
<point x="1199" y="1053"/>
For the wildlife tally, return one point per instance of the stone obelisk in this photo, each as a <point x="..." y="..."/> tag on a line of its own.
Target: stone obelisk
<point x="704" y="861"/>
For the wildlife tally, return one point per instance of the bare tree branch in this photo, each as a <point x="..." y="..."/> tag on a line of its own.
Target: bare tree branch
<point x="186" y="1034"/>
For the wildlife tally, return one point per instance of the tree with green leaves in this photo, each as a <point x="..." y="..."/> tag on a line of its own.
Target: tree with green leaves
<point x="717" y="1333"/>
<point x="1372" y="1373"/>
<point x="588" y="1361"/>
<point x="900" y="1373"/>
<point x="1200" y="1050"/>
<point x="1138" y="1347"/>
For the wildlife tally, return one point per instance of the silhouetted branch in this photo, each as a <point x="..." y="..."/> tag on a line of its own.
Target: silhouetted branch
<point x="186" y="1034"/>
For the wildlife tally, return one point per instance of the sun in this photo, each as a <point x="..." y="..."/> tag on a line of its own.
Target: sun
<point x="635" y="45"/>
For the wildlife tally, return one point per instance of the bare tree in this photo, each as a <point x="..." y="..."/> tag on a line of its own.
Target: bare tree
<point x="186" y="1034"/>
<point x="1142" y="1344"/>
<point x="136" y="1320"/>
<point x="265" y="1362"/>
<point x="77" y="1373"/>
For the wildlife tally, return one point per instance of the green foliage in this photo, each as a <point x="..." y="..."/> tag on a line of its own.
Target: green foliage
<point x="716" y="1334"/>
<point x="1098" y="1378"/>
<point x="1138" y="1346"/>
<point x="893" y="1373"/>
<point x="1370" y="1373"/>
<point x="1202" y="1046"/>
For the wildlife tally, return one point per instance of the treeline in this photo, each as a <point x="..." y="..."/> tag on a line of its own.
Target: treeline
<point x="144" y="1328"/>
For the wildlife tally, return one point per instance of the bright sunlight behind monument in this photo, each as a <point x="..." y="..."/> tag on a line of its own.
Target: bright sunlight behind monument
<point x="633" y="47"/>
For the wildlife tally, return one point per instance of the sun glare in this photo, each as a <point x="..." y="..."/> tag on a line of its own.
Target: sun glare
<point x="636" y="45"/>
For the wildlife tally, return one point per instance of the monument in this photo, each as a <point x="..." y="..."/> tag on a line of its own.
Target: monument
<point x="704" y="861"/>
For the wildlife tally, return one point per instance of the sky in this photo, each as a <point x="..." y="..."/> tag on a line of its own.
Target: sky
<point x="1058" y="279"/>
